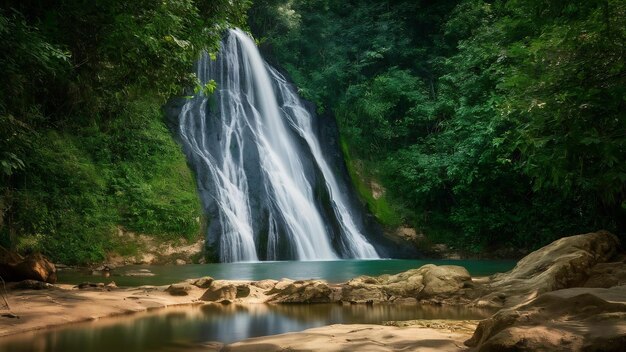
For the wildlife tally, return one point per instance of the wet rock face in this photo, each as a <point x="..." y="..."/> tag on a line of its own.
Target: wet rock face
<point x="575" y="319"/>
<point x="14" y="267"/>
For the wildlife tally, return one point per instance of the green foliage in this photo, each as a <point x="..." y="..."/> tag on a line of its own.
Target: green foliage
<point x="568" y="97"/>
<point x="151" y="183"/>
<point x="62" y="198"/>
<point x="380" y="206"/>
<point x="491" y="123"/>
<point x="83" y="145"/>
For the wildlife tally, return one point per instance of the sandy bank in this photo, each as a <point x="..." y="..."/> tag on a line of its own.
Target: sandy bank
<point x="63" y="304"/>
<point x="358" y="337"/>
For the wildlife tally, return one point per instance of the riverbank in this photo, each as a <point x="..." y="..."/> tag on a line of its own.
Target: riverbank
<point x="562" y="290"/>
<point x="46" y="306"/>
<point x="35" y="309"/>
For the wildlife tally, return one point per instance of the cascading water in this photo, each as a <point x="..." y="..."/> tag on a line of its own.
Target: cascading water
<point x="260" y="166"/>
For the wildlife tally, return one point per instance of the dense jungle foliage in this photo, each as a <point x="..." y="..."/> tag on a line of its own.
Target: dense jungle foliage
<point x="489" y="123"/>
<point x="83" y="144"/>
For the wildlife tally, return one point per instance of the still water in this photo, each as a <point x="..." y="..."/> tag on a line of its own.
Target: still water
<point x="334" y="271"/>
<point x="194" y="328"/>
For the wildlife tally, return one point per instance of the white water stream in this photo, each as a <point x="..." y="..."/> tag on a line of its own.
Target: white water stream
<point x="256" y="131"/>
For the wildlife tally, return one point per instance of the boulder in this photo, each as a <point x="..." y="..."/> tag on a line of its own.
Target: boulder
<point x="564" y="263"/>
<point x="309" y="291"/>
<point x="14" y="267"/>
<point x="280" y="286"/>
<point x="203" y="282"/>
<point x="219" y="293"/>
<point x="443" y="280"/>
<point x="574" y="319"/>
<point x="179" y="289"/>
<point x="432" y="283"/>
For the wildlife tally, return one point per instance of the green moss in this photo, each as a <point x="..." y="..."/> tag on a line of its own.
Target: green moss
<point x="380" y="207"/>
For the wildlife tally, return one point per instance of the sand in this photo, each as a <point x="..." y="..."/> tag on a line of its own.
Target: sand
<point x="357" y="337"/>
<point x="63" y="304"/>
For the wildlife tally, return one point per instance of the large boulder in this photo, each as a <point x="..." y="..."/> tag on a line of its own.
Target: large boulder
<point x="14" y="267"/>
<point x="575" y="319"/>
<point x="564" y="263"/>
<point x="436" y="284"/>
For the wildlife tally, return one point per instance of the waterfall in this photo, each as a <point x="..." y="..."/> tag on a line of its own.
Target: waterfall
<point x="261" y="170"/>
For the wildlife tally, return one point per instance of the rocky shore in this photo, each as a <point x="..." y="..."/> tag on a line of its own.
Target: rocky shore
<point x="567" y="296"/>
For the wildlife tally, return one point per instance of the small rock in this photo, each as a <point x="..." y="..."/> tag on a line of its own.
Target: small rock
<point x="180" y="262"/>
<point x="111" y="285"/>
<point x="203" y="282"/>
<point x="179" y="289"/>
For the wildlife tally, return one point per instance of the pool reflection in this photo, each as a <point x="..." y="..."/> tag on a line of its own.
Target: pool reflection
<point x="190" y="328"/>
